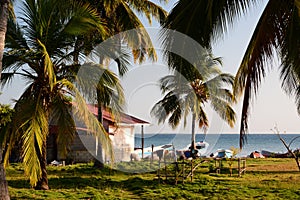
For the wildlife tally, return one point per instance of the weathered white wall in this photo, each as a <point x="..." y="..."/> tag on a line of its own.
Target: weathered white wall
<point x="122" y="141"/>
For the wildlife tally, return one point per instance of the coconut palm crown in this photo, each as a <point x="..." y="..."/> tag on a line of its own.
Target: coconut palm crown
<point x="186" y="94"/>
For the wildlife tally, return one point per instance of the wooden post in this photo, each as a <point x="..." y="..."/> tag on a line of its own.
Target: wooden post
<point x="176" y="174"/>
<point x="244" y="166"/>
<point x="142" y="132"/>
<point x="230" y="165"/>
<point x="158" y="170"/>
<point x="218" y="165"/>
<point x="166" y="173"/>
<point x="192" y="172"/>
<point x="183" y="172"/>
<point x="152" y="147"/>
<point x="239" y="166"/>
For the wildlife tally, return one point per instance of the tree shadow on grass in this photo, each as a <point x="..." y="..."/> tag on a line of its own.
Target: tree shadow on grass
<point x="273" y="172"/>
<point x="133" y="184"/>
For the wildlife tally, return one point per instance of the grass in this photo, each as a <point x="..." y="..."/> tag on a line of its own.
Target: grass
<point x="264" y="179"/>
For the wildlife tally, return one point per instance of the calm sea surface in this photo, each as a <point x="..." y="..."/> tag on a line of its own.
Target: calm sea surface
<point x="255" y="142"/>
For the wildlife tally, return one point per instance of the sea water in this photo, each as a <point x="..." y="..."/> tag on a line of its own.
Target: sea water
<point x="254" y="142"/>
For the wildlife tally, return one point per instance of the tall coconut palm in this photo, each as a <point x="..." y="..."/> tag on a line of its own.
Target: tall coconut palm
<point x="126" y="29"/>
<point x="276" y="33"/>
<point x="5" y="7"/>
<point x="40" y="51"/>
<point x="189" y="94"/>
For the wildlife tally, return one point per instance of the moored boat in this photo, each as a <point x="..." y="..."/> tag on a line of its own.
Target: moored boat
<point x="223" y="153"/>
<point x="269" y="154"/>
<point x="256" y="154"/>
<point x="138" y="153"/>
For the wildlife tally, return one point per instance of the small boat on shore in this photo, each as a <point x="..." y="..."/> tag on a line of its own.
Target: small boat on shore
<point x="159" y="151"/>
<point x="200" y="147"/>
<point x="156" y="150"/>
<point x="223" y="153"/>
<point x="256" y="154"/>
<point x="269" y="154"/>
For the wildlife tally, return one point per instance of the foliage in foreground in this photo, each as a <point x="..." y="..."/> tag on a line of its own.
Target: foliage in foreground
<point x="265" y="179"/>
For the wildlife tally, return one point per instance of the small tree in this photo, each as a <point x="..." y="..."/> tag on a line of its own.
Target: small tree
<point x="288" y="146"/>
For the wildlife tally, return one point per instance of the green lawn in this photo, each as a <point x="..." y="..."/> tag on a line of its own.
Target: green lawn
<point x="264" y="179"/>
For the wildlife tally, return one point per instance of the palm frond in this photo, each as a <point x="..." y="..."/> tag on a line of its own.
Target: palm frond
<point x="149" y="9"/>
<point x="94" y="127"/>
<point x="62" y="118"/>
<point x="224" y="110"/>
<point x="289" y="52"/>
<point x="205" y="21"/>
<point x="31" y="128"/>
<point x="135" y="35"/>
<point x="14" y="38"/>
<point x="267" y="36"/>
<point x="112" y="48"/>
<point x="162" y="109"/>
<point x="48" y="66"/>
<point x="85" y="18"/>
<point x="203" y="119"/>
<point x="98" y="83"/>
<point x="6" y="78"/>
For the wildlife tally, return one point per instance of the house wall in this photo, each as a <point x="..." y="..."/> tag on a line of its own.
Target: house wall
<point x="83" y="147"/>
<point x="122" y="141"/>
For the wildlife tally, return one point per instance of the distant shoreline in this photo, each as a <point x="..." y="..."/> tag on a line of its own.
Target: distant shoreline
<point x="264" y="133"/>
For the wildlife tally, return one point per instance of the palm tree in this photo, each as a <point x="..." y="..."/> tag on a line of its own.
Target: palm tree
<point x="5" y="118"/>
<point x="5" y="7"/>
<point x="126" y="28"/>
<point x="276" y="33"/>
<point x="41" y="52"/>
<point x="189" y="94"/>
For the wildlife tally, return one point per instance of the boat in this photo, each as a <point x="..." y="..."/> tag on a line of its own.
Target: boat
<point x="223" y="153"/>
<point x="269" y="154"/>
<point x="256" y="154"/>
<point x="158" y="151"/>
<point x="200" y="147"/>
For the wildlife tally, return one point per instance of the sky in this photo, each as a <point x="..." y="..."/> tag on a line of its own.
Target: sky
<point x="271" y="106"/>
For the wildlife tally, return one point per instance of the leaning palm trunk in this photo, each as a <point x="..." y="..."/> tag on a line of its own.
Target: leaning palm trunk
<point x="4" y="195"/>
<point x="99" y="154"/>
<point x="193" y="132"/>
<point x="42" y="183"/>
<point x="3" y="27"/>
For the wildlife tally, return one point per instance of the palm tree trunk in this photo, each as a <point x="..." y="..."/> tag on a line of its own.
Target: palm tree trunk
<point x="4" y="194"/>
<point x="3" y="28"/>
<point x="99" y="162"/>
<point x="42" y="184"/>
<point x="193" y="132"/>
<point x="99" y="155"/>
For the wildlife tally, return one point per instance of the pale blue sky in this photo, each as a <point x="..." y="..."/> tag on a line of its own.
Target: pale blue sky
<point x="270" y="107"/>
<point x="140" y="83"/>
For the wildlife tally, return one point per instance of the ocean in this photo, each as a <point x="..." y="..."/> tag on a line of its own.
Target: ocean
<point x="255" y="142"/>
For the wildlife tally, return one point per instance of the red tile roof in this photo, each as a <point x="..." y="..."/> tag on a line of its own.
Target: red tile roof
<point x="124" y="118"/>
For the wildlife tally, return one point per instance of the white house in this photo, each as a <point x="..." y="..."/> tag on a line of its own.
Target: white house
<point x="84" y="147"/>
